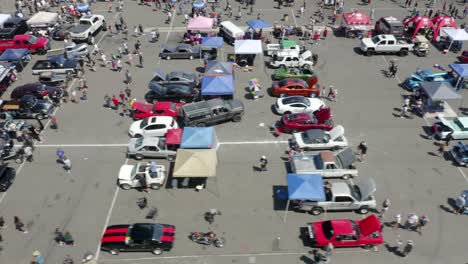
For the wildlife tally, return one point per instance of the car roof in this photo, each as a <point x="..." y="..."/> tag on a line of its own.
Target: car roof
<point x="293" y="99"/>
<point x="184" y="46"/>
<point x="342" y="226"/>
<point x="327" y="156"/>
<point x="182" y="75"/>
<point x="340" y="188"/>
<point x="159" y="120"/>
<point x="293" y="80"/>
<point x="300" y="117"/>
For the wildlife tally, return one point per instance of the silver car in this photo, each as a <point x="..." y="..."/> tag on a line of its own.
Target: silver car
<point x="150" y="147"/>
<point x="74" y="50"/>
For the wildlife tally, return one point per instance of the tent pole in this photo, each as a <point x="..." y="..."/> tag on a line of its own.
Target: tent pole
<point x="451" y="42"/>
<point x="286" y="211"/>
<point x="458" y="82"/>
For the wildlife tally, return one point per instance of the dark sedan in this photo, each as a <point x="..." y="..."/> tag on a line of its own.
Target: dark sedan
<point x="175" y="92"/>
<point x="182" y="51"/>
<point x="162" y="78"/>
<point x="38" y="90"/>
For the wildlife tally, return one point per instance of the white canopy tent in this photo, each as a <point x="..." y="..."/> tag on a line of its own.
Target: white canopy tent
<point x="455" y="34"/>
<point x="248" y="46"/>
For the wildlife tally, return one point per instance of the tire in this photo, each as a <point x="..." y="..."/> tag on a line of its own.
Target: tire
<point x="104" y="25"/>
<point x="125" y="186"/>
<point x="139" y="156"/>
<point x="19" y="160"/>
<point x="287" y="113"/>
<point x="201" y="124"/>
<point x="89" y="39"/>
<point x="171" y="158"/>
<point x="157" y="251"/>
<point x="236" y="118"/>
<point x="312" y="95"/>
<point x="335" y="148"/>
<point x="114" y="251"/>
<point x="168" y="57"/>
<point x="403" y="53"/>
<point x="368" y="246"/>
<point x="369" y="53"/>
<point x="155" y="186"/>
<point x="138" y="136"/>
<point x="41" y="51"/>
<point x="363" y="210"/>
<point x="346" y="176"/>
<point x="190" y="57"/>
<point x="316" y="211"/>
<point x="40" y="117"/>
<point x="282" y="65"/>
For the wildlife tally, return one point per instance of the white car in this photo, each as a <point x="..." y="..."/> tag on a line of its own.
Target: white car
<point x="297" y="104"/>
<point x="142" y="175"/>
<point x="320" y="139"/>
<point x="74" y="50"/>
<point x="155" y="126"/>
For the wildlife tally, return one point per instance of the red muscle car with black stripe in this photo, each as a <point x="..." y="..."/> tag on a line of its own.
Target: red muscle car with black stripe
<point x="141" y="237"/>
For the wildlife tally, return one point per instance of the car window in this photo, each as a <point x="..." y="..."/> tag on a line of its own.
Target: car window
<point x="343" y="199"/>
<point x="151" y="127"/>
<point x="159" y="126"/>
<point x="327" y="229"/>
<point x="298" y="105"/>
<point x="391" y="42"/>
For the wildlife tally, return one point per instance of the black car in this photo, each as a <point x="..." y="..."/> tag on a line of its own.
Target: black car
<point x="12" y="27"/>
<point x="28" y="107"/>
<point x="7" y="175"/>
<point x="38" y="90"/>
<point x="142" y="237"/>
<point x="60" y="32"/>
<point x="58" y="64"/>
<point x="163" y="78"/>
<point x="175" y="92"/>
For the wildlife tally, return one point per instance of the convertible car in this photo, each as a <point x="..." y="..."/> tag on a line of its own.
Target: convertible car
<point x="303" y="73"/>
<point x="414" y="81"/>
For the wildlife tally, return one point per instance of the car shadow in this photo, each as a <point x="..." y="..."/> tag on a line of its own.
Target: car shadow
<point x="358" y="51"/>
<point x="393" y="249"/>
<point x="280" y="197"/>
<point x="304" y="237"/>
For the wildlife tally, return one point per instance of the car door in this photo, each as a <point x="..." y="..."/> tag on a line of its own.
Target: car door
<point x="342" y="202"/>
<point x="382" y="46"/>
<point x="182" y="54"/>
<point x="154" y="152"/>
<point x="345" y="240"/>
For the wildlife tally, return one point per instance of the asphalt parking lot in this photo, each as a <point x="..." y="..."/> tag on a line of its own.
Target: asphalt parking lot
<point x="400" y="159"/>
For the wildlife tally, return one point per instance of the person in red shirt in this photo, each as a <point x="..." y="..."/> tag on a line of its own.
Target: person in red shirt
<point x="115" y="101"/>
<point x="325" y="33"/>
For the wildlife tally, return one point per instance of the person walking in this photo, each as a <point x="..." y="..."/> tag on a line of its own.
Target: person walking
<point x="60" y="155"/>
<point x="2" y="223"/>
<point x="169" y="17"/>
<point x="37" y="257"/>
<point x="393" y="70"/>
<point x="460" y="204"/>
<point x="385" y="206"/>
<point x="67" y="165"/>
<point x="325" y="33"/>
<point x="122" y="97"/>
<point x="116" y="102"/>
<point x="412" y="222"/>
<point x="263" y="164"/>
<point x="140" y="58"/>
<point x="128" y="77"/>
<point x="19" y="225"/>
<point x="68" y="239"/>
<point x="128" y="91"/>
<point x="59" y="237"/>
<point x="73" y="96"/>
<point x="28" y="153"/>
<point x="107" y="101"/>
<point x="404" y="111"/>
<point x="119" y="65"/>
<point x="408" y="248"/>
<point x="154" y="36"/>
<point x="328" y="252"/>
<point x="92" y="63"/>
<point x="362" y="150"/>
<point x="53" y="122"/>
<point x="423" y="221"/>
<point x="332" y="93"/>
<point x="433" y="132"/>
<point x="441" y="150"/>
<point x="140" y="28"/>
<point x="397" y="222"/>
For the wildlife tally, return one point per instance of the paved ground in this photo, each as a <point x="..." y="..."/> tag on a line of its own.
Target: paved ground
<point x="86" y="200"/>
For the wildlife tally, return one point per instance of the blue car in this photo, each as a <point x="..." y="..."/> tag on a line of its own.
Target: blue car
<point x="460" y="154"/>
<point x="414" y="82"/>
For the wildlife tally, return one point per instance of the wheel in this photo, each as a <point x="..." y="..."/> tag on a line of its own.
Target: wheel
<point x="40" y="117"/>
<point x="316" y="211"/>
<point x="363" y="210"/>
<point x="345" y="177"/>
<point x="168" y="57"/>
<point x="19" y="160"/>
<point x="138" y="136"/>
<point x="201" y="124"/>
<point x="170" y="158"/>
<point x="312" y="95"/>
<point x="190" y="57"/>
<point x="282" y="95"/>
<point x="114" y="251"/>
<point x="155" y="186"/>
<point x="125" y="186"/>
<point x="335" y="148"/>
<point x="369" y="52"/>
<point x="139" y="156"/>
<point x="157" y="251"/>
<point x="237" y="118"/>
<point x="368" y="246"/>
<point x="282" y="65"/>
<point x="287" y="113"/>
<point x="41" y="51"/>
<point x="403" y="53"/>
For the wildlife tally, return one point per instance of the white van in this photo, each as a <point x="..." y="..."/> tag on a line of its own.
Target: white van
<point x="230" y="32"/>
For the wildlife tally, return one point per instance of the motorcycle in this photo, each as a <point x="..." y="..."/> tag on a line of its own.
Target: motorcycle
<point x="209" y="238"/>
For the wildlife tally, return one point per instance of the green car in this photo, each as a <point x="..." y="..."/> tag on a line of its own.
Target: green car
<point x="303" y="73"/>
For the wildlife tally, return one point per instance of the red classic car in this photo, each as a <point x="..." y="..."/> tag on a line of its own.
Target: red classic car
<point x="296" y="86"/>
<point x="463" y="58"/>
<point x="142" y="110"/>
<point x="321" y="119"/>
<point x="346" y="233"/>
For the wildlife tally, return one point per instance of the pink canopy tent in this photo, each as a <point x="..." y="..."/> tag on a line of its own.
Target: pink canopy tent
<point x="356" y="18"/>
<point x="418" y="22"/>
<point x="442" y="22"/>
<point x="200" y="23"/>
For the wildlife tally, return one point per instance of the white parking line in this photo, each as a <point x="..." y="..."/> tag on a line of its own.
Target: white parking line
<point x="463" y="174"/>
<point x="293" y="16"/>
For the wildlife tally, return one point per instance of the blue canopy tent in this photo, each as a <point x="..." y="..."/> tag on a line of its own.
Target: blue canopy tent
<point x="217" y="85"/>
<point x="214" y="43"/>
<point x="304" y="187"/>
<point x="15" y="55"/>
<point x="258" y="23"/>
<point x="461" y="70"/>
<point x="198" y="138"/>
<point x="218" y="68"/>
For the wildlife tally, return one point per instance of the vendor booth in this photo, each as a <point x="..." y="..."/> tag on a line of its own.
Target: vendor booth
<point x="193" y="167"/>
<point x="455" y="38"/>
<point x="219" y="68"/>
<point x="436" y="97"/>
<point x="199" y="138"/>
<point x="254" y="25"/>
<point x="356" y="24"/>
<point x="212" y="45"/>
<point x="17" y="57"/>
<point x="461" y="70"/>
<point x="217" y="86"/>
<point x="304" y="187"/>
<point x="442" y="22"/>
<point x="246" y="50"/>
<point x="200" y="24"/>
<point x="43" y="21"/>
<point x="418" y="23"/>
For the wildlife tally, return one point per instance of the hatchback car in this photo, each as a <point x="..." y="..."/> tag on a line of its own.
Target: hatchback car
<point x="292" y="123"/>
<point x="142" y="110"/>
<point x="297" y="104"/>
<point x="295" y="86"/>
<point x="174" y="92"/>
<point x="39" y="90"/>
<point x="155" y="126"/>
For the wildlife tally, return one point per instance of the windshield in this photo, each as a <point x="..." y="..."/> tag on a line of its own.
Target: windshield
<point x="355" y="192"/>
<point x="85" y="22"/>
<point x="143" y="123"/>
<point x="32" y="39"/>
<point x="327" y="229"/>
<point x="141" y="232"/>
<point x="376" y="39"/>
<point x="138" y="143"/>
<point x="295" y="99"/>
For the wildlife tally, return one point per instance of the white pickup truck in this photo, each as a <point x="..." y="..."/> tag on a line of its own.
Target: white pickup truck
<point x="292" y="60"/>
<point x="286" y="47"/>
<point x="341" y="196"/>
<point x="326" y="163"/>
<point x="88" y="27"/>
<point x="386" y="44"/>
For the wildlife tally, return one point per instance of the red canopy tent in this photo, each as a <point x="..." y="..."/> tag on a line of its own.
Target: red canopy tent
<point x="174" y="136"/>
<point x="441" y="22"/>
<point x="356" y="18"/>
<point x="418" y="22"/>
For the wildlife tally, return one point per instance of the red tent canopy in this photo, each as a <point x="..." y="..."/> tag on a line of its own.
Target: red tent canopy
<point x="441" y="22"/>
<point x="174" y="136"/>
<point x="356" y="18"/>
<point x="419" y="22"/>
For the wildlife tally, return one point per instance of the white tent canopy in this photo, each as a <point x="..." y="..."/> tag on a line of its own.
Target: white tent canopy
<point x="455" y="34"/>
<point x="248" y="46"/>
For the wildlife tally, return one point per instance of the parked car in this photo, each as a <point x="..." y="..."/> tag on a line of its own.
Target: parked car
<point x="142" y="110"/>
<point x="7" y="176"/>
<point x="141" y="175"/>
<point x="414" y="81"/>
<point x="88" y="26"/>
<point x="155" y="126"/>
<point x="295" y="86"/>
<point x="60" y="31"/>
<point x="34" y="44"/>
<point x="321" y="119"/>
<point x="211" y="112"/>
<point x="176" y="77"/>
<point x="463" y="58"/>
<point x="457" y="127"/>
<point x="150" y="147"/>
<point x="303" y="73"/>
<point x="181" y="51"/>
<point x="52" y="79"/>
<point x="58" y="64"/>
<point x="459" y="153"/>
<point x="297" y="104"/>
<point x="74" y="50"/>
<point x="28" y="106"/>
<point x="365" y="233"/>
<point x="319" y="139"/>
<point x="38" y="90"/>
<point x="175" y="92"/>
<point x="12" y="27"/>
<point x="293" y="60"/>
<point x="386" y="44"/>
<point x="141" y="237"/>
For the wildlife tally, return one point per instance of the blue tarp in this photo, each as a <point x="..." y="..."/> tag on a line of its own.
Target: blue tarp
<point x="306" y="187"/>
<point x="13" y="54"/>
<point x="212" y="42"/>
<point x="198" y="138"/>
<point x="217" y="68"/>
<point x="460" y="69"/>
<point x="258" y="23"/>
<point x="217" y="85"/>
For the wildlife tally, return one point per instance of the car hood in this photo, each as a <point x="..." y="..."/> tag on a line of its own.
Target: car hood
<point x="135" y="127"/>
<point x="369" y="225"/>
<point x="297" y="137"/>
<point x="367" y="42"/>
<point x="447" y="122"/>
<point x="115" y="234"/>
<point x="336" y="132"/>
<point x="125" y="172"/>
